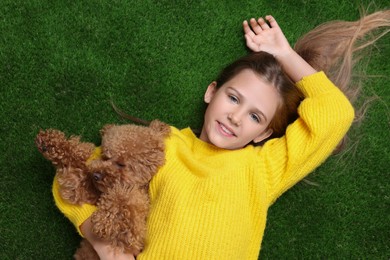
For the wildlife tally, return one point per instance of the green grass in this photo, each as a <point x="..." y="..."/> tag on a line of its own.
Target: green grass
<point x="61" y="62"/>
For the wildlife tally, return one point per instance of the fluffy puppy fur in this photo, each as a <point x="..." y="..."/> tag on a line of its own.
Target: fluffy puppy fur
<point x="69" y="157"/>
<point x="117" y="181"/>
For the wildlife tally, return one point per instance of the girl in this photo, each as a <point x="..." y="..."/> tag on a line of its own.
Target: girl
<point x="210" y="199"/>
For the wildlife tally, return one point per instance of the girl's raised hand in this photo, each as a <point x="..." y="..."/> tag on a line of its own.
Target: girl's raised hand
<point x="260" y="36"/>
<point x="269" y="38"/>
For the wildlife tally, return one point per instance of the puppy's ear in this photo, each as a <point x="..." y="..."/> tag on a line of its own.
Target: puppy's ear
<point x="105" y="129"/>
<point x="160" y="127"/>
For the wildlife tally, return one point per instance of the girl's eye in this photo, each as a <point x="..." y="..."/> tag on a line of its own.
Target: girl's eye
<point x="255" y="118"/>
<point x="233" y="99"/>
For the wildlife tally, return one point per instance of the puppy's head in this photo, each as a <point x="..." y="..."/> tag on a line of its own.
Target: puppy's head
<point x="131" y="155"/>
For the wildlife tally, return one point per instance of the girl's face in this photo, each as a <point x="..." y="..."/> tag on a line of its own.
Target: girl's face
<point x="239" y="111"/>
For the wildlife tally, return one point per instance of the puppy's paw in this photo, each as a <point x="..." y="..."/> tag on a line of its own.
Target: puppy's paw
<point x="50" y="142"/>
<point x="121" y="217"/>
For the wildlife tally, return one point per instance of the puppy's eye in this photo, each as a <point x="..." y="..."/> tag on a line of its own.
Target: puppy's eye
<point x="120" y="165"/>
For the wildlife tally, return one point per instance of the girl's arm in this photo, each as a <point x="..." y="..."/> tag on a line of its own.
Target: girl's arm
<point x="325" y="114"/>
<point x="269" y="38"/>
<point x="80" y="216"/>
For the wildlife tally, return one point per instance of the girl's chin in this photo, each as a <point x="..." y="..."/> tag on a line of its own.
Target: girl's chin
<point x="222" y="143"/>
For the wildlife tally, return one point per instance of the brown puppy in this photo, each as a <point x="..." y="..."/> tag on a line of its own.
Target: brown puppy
<point x="116" y="181"/>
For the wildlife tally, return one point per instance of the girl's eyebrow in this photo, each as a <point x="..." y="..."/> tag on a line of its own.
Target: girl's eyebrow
<point x="256" y="110"/>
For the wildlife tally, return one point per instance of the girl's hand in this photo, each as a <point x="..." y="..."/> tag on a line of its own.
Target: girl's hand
<point x="102" y="248"/>
<point x="263" y="37"/>
<point x="269" y="38"/>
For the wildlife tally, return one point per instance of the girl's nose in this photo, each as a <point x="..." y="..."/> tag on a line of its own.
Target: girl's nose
<point x="235" y="118"/>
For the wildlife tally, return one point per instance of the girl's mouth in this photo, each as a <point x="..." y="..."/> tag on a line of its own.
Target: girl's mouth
<point x="225" y="130"/>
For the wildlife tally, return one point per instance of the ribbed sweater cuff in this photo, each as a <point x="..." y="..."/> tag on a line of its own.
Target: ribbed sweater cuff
<point x="75" y="213"/>
<point x="315" y="84"/>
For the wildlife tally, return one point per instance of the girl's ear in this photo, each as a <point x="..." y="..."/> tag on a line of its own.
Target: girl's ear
<point x="267" y="133"/>
<point x="211" y="89"/>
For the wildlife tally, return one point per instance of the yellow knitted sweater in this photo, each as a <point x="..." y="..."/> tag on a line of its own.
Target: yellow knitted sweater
<point x="210" y="203"/>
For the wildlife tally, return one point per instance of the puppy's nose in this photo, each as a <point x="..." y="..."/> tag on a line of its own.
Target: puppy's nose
<point x="40" y="144"/>
<point x="97" y="176"/>
<point x="42" y="147"/>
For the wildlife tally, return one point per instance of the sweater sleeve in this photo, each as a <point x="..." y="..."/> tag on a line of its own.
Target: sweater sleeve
<point x="75" y="213"/>
<point x="325" y="116"/>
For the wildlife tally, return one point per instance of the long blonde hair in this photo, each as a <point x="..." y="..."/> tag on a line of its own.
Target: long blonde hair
<point x="335" y="47"/>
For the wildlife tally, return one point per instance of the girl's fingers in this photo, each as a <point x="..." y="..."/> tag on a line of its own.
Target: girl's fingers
<point x="272" y="21"/>
<point x="262" y="23"/>
<point x="247" y="29"/>
<point x="255" y="26"/>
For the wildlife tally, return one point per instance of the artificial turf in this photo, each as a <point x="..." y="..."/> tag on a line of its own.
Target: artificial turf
<point x="62" y="62"/>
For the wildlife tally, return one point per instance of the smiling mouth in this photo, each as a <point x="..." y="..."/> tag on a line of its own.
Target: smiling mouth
<point x="225" y="131"/>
